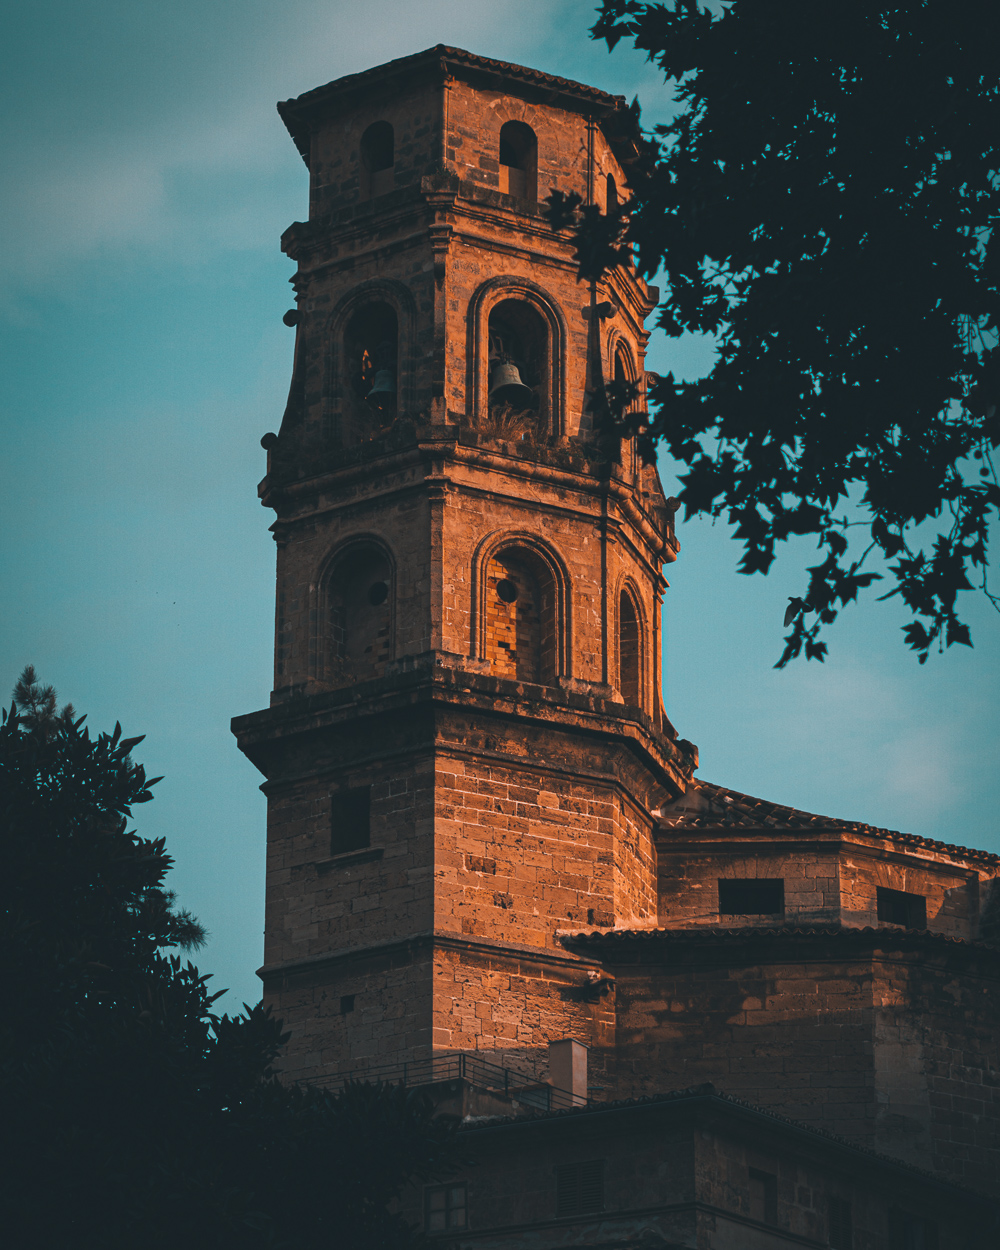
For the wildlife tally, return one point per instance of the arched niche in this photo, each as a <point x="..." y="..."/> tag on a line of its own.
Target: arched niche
<point x="536" y="328"/>
<point x="612" y="201"/>
<point x="521" y="610"/>
<point x="356" y="613"/>
<point x="378" y="158"/>
<point x="370" y="333"/>
<point x="630" y="648"/>
<point x="624" y="378"/>
<point x="518" y="157"/>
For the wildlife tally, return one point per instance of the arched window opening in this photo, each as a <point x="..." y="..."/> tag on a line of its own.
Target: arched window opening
<point x="370" y="365"/>
<point x="623" y="399"/>
<point x="518" y="400"/>
<point x="613" y="204"/>
<point x="629" y="666"/>
<point x="359" y="616"/>
<point x="520" y="617"/>
<point x="518" y="161"/>
<point x="624" y="374"/>
<point x="377" y="160"/>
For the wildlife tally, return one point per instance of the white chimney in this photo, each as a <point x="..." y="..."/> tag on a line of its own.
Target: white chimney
<point x="568" y="1070"/>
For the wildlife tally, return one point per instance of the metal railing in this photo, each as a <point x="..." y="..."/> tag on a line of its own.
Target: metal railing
<point x="493" y="1078"/>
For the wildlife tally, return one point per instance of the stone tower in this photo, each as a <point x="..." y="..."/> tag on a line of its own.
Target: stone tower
<point x="466" y="749"/>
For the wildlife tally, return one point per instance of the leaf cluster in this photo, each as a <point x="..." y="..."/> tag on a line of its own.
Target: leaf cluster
<point x="825" y="204"/>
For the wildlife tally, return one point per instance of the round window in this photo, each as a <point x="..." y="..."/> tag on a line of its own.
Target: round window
<point x="506" y="590"/>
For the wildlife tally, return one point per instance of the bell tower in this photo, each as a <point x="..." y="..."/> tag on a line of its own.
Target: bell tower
<point x="465" y="750"/>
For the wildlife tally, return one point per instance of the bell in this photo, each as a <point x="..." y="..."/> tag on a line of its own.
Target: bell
<point x="508" y="387"/>
<point x="383" y="391"/>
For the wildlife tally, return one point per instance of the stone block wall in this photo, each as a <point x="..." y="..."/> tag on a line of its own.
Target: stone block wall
<point x="794" y="1036"/>
<point x="364" y="1011"/>
<point x="335" y="159"/>
<point x="937" y="1065"/>
<point x="689" y="882"/>
<point x="522" y="852"/>
<point x="892" y="1041"/>
<point x="951" y="889"/>
<point x="835" y="880"/>
<point x="319" y="902"/>
<point x="507" y="1005"/>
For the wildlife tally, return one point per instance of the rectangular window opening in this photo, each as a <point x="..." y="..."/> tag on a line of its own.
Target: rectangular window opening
<point x="751" y="897"/>
<point x="350" y="820"/>
<point x="580" y="1187"/>
<point x="841" y="1231"/>
<point x="899" y="907"/>
<point x="763" y="1196"/>
<point x="911" y="1232"/>
<point x="445" y="1208"/>
<point x="346" y="1004"/>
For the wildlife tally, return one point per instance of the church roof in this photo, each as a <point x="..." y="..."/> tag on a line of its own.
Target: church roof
<point x="708" y="806"/>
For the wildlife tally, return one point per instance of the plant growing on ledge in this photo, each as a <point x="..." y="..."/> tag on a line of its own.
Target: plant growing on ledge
<point x="824" y="203"/>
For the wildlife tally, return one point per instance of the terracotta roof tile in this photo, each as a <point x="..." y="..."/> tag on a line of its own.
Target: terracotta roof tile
<point x="708" y="806"/>
<point x="889" y="935"/>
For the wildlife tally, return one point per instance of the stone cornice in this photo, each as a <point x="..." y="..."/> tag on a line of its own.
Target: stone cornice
<point x="430" y="941"/>
<point x="435" y="679"/>
<point x="438" y="63"/>
<point x="302" y="499"/>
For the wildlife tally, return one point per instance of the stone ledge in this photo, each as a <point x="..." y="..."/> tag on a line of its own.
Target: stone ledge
<point x="362" y="856"/>
<point x="432" y="942"/>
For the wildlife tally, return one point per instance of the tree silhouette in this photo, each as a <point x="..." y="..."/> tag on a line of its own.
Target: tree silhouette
<point x="132" y="1115"/>
<point x="824" y="204"/>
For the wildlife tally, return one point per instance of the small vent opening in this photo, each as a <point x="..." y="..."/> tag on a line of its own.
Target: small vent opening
<point x="756" y="897"/>
<point x="580" y="1187"/>
<point x="898" y="907"/>
<point x="841" y="1232"/>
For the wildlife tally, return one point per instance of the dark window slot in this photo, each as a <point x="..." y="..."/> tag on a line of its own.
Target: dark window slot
<point x="350" y="820"/>
<point x="763" y="1196"/>
<point x="898" y="907"/>
<point x="911" y="1232"/>
<point x="751" y="898"/>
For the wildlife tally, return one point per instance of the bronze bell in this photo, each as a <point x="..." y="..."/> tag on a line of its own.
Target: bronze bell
<point x="383" y="392"/>
<point x="508" y="388"/>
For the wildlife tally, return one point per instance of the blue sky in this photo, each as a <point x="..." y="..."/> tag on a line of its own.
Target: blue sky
<point x="147" y="182"/>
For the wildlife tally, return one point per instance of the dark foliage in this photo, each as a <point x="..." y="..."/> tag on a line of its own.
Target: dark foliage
<point x="824" y="203"/>
<point x="131" y="1114"/>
